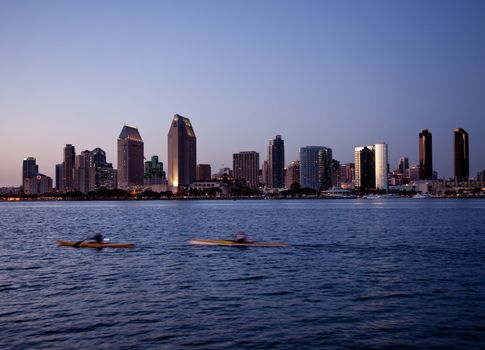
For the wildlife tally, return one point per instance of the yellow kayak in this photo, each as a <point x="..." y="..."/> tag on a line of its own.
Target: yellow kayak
<point x="226" y="242"/>
<point x="94" y="245"/>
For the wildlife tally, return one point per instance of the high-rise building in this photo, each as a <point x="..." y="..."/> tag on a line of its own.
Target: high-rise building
<point x="265" y="173"/>
<point x="84" y="173"/>
<point x="245" y="166"/>
<point x="38" y="184"/>
<point x="309" y="167"/>
<point x="335" y="173"/>
<point x="29" y="168"/>
<point x="293" y="173"/>
<point x="154" y="173"/>
<point x="276" y="163"/>
<point x="347" y="172"/>
<point x="325" y="168"/>
<point x="182" y="152"/>
<point x="68" y="168"/>
<point x="59" y="178"/>
<point x="203" y="172"/>
<point x="425" y="155"/>
<point x="104" y="174"/>
<point x="381" y="166"/>
<point x="130" y="158"/>
<point x="462" y="163"/>
<point x="364" y="167"/>
<point x="402" y="165"/>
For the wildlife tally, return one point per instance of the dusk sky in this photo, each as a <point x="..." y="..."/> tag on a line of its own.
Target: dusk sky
<point x="330" y="73"/>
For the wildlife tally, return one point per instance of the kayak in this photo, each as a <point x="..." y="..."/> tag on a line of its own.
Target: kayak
<point x="227" y="242"/>
<point x="94" y="245"/>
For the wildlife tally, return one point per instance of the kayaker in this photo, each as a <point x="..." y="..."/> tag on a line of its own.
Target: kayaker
<point x="97" y="237"/>
<point x="242" y="237"/>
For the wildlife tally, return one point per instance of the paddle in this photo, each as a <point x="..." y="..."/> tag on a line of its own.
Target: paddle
<point x="77" y="244"/>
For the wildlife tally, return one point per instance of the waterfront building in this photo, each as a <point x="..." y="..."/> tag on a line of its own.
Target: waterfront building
<point x="130" y="158"/>
<point x="414" y="172"/>
<point x="364" y="167"/>
<point x="381" y="166"/>
<point x="29" y="168"/>
<point x="154" y="173"/>
<point x="38" y="184"/>
<point x="264" y="173"/>
<point x="425" y="155"/>
<point x="293" y="173"/>
<point x="245" y="166"/>
<point x="182" y="153"/>
<point x="68" y="168"/>
<point x="346" y="173"/>
<point x="402" y="165"/>
<point x="59" y="178"/>
<point x="222" y="172"/>
<point x="84" y="172"/>
<point x="276" y="163"/>
<point x="104" y="174"/>
<point x="203" y="172"/>
<point x="461" y="160"/>
<point x="309" y="167"/>
<point x="325" y="168"/>
<point x="335" y="173"/>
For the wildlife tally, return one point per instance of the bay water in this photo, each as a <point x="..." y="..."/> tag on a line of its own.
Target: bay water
<point x="382" y="273"/>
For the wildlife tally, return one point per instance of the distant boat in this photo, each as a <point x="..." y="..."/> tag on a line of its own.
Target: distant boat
<point x="421" y="196"/>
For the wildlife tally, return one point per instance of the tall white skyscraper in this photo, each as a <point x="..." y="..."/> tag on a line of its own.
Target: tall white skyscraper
<point x="380" y="152"/>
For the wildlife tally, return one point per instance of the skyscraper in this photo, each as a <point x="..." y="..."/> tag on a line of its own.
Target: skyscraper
<point x="182" y="152"/>
<point x="130" y="158"/>
<point x="364" y="167"/>
<point x="403" y="165"/>
<point x="154" y="173"/>
<point x="462" y="163"/>
<point x="246" y="167"/>
<point x="84" y="172"/>
<point x="276" y="163"/>
<point x="29" y="168"/>
<point x="59" y="177"/>
<point x="68" y="168"/>
<point x="381" y="166"/>
<point x="309" y="167"/>
<point x="425" y="155"/>
<point x="325" y="168"/>
<point x="104" y="174"/>
<point x="293" y="173"/>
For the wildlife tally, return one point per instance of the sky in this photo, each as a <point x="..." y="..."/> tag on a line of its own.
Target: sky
<point x="329" y="73"/>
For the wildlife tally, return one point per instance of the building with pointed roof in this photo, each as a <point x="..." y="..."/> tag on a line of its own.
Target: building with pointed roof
<point x="130" y="158"/>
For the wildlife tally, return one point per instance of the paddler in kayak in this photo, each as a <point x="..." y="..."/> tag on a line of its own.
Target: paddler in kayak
<point x="242" y="237"/>
<point x="97" y="237"/>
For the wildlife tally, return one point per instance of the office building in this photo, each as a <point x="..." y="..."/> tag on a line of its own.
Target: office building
<point x="402" y="165"/>
<point x="364" y="167"/>
<point x="325" y="168"/>
<point x="154" y="173"/>
<point x="276" y="163"/>
<point x="461" y="160"/>
<point x="293" y="174"/>
<point x="381" y="166"/>
<point x="335" y="173"/>
<point x="182" y="153"/>
<point x="38" y="184"/>
<point x="309" y="177"/>
<point x="245" y="166"/>
<point x="29" y="168"/>
<point x="59" y="178"/>
<point x="84" y="172"/>
<point x="68" y="168"/>
<point x="104" y="174"/>
<point x="347" y="173"/>
<point x="203" y="172"/>
<point x="425" y="155"/>
<point x="130" y="158"/>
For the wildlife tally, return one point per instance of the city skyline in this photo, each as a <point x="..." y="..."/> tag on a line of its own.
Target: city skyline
<point x="316" y="73"/>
